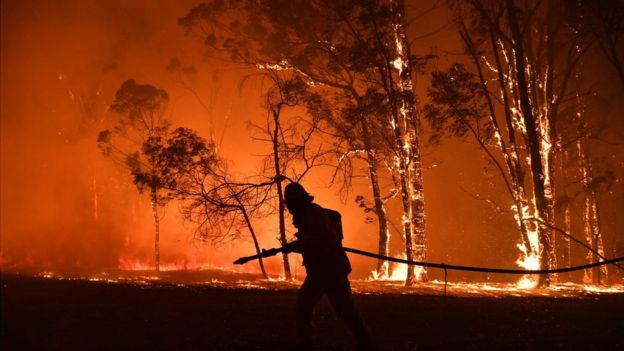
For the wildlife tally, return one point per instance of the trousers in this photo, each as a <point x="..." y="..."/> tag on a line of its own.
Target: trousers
<point x="338" y="291"/>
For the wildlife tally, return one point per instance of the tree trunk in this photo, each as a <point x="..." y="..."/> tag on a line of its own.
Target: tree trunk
<point x="418" y="205"/>
<point x="567" y="217"/>
<point x="380" y="210"/>
<point x="511" y="153"/>
<point x="416" y="245"/>
<point x="400" y="139"/>
<point x="154" y="203"/>
<point x="567" y="227"/>
<point x="95" y="200"/>
<point x="509" y="149"/>
<point x="547" y="126"/>
<point x="255" y="241"/>
<point x="537" y="169"/>
<point x="591" y="219"/>
<point x="280" y="192"/>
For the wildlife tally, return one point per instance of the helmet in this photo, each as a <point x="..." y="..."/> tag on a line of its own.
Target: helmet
<point x="295" y="191"/>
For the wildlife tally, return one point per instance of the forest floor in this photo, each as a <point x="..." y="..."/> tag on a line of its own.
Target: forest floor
<point x="52" y="313"/>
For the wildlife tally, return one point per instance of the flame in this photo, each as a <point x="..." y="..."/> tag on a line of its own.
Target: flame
<point x="528" y="261"/>
<point x="397" y="63"/>
<point x="135" y="264"/>
<point x="396" y="272"/>
<point x="228" y="279"/>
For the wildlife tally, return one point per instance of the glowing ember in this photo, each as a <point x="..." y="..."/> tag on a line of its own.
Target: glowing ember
<point x="134" y="264"/>
<point x="395" y="285"/>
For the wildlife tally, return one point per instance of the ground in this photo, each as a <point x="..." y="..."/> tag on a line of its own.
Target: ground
<point x="80" y="314"/>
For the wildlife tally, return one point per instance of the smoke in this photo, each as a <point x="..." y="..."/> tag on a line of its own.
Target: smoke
<point x="64" y="206"/>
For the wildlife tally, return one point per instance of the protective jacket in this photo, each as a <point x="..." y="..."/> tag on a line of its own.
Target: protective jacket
<point x="319" y="240"/>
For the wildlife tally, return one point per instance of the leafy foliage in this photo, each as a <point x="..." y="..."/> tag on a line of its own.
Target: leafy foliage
<point x="458" y="105"/>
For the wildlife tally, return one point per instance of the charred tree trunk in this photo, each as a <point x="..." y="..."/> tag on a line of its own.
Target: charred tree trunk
<point x="154" y="203"/>
<point x="537" y="169"/>
<point x="280" y="191"/>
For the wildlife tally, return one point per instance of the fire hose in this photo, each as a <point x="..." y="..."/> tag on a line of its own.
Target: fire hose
<point x="444" y="266"/>
<point x="482" y="269"/>
<point x="455" y="267"/>
<point x="275" y="251"/>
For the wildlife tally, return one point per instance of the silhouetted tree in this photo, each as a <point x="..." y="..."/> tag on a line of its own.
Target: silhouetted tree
<point x="220" y="206"/>
<point x="296" y="145"/>
<point x="141" y="128"/>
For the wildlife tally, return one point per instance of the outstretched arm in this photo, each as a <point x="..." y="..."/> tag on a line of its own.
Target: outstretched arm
<point x="290" y="247"/>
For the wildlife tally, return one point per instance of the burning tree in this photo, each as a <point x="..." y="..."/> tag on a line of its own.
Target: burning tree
<point x="523" y="57"/>
<point x="342" y="47"/>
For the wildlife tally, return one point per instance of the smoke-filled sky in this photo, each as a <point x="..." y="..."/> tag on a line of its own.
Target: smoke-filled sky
<point x="66" y="207"/>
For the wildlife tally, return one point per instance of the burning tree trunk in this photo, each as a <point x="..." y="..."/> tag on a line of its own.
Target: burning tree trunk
<point x="542" y="202"/>
<point x="547" y="126"/>
<point x="509" y="149"/>
<point x="401" y="157"/>
<point x="408" y="146"/>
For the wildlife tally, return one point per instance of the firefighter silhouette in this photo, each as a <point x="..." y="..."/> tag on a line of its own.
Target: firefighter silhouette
<point x="319" y="240"/>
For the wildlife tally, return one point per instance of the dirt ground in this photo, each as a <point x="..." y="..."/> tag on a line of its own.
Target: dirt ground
<point x="53" y="314"/>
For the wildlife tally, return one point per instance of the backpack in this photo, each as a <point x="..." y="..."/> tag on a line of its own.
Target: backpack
<point x="336" y="220"/>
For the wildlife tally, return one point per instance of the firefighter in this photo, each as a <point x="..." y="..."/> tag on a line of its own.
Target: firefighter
<point x="327" y="266"/>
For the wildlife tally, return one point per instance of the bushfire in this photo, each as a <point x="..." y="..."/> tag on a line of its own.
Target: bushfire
<point x="458" y="148"/>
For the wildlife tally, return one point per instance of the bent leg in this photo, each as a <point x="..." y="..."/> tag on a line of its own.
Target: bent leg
<point x="310" y="294"/>
<point x="339" y="293"/>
